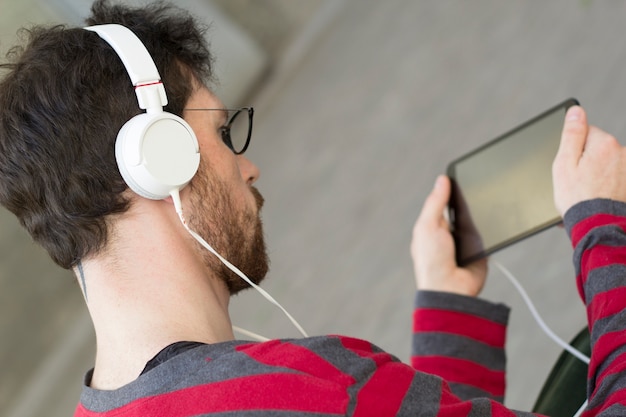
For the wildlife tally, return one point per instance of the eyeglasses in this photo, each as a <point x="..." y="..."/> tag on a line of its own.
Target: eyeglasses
<point x="235" y="134"/>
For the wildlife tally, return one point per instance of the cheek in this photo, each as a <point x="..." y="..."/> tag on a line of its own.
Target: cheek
<point x="223" y="163"/>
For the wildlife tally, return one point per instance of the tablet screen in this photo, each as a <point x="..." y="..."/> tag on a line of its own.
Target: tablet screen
<point x="502" y="191"/>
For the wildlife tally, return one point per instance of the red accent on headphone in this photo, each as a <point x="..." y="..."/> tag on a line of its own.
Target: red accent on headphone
<point x="145" y="85"/>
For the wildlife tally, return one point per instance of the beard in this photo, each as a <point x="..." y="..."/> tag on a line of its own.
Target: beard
<point x="234" y="232"/>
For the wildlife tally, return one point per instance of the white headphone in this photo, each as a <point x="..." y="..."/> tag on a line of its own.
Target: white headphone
<point x="157" y="152"/>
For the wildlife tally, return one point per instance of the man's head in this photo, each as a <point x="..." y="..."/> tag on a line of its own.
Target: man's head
<point x="62" y="102"/>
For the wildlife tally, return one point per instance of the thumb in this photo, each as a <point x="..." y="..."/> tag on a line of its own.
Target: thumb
<point x="436" y="201"/>
<point x="573" y="138"/>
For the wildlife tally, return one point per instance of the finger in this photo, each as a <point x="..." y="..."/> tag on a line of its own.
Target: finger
<point x="573" y="137"/>
<point x="436" y="202"/>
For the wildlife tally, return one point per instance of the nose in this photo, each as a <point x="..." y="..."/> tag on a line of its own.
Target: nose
<point x="249" y="172"/>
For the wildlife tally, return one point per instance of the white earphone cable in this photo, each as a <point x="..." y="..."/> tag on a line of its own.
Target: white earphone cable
<point x="579" y="355"/>
<point x="584" y="358"/>
<point x="582" y="408"/>
<point x="250" y="334"/>
<point x="178" y="206"/>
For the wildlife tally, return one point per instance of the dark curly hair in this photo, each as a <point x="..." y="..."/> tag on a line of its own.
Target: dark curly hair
<point x="64" y="98"/>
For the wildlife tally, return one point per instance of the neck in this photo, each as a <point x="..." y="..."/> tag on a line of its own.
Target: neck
<point x="148" y="290"/>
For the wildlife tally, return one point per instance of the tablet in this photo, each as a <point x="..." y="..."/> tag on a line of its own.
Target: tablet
<point x="502" y="191"/>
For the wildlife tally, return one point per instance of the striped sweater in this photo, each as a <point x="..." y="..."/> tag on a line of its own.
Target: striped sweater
<point x="457" y="362"/>
<point x="598" y="233"/>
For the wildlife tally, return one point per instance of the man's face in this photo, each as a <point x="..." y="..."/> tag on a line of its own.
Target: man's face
<point x="224" y="207"/>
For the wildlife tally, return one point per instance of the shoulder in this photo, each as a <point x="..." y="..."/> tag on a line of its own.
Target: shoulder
<point x="253" y="376"/>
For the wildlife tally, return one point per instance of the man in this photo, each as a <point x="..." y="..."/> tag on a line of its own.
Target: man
<point x="159" y="300"/>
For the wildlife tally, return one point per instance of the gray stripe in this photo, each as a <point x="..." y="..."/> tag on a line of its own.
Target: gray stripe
<point x="467" y="392"/>
<point x="614" y="411"/>
<point x="480" y="407"/>
<point x="524" y="413"/>
<point x="603" y="279"/>
<point x="460" y="347"/>
<point x="332" y="350"/>
<point x="586" y="209"/>
<point x="423" y="396"/>
<point x="614" y="323"/>
<point x="496" y="312"/>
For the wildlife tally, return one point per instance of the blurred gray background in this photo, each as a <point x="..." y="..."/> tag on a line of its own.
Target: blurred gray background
<point x="360" y="104"/>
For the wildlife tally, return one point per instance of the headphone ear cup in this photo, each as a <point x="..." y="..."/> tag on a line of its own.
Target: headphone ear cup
<point x="157" y="153"/>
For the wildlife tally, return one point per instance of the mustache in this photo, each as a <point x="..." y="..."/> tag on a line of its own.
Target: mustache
<point x="260" y="201"/>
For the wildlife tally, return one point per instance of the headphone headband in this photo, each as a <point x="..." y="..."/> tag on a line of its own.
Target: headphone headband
<point x="138" y="63"/>
<point x="157" y="152"/>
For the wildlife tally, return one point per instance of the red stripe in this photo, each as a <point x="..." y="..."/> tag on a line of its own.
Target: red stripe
<point x="451" y="405"/>
<point x="606" y="345"/>
<point x="477" y="328"/>
<point x="617" y="397"/>
<point x="462" y="371"/>
<point x="618" y="365"/>
<point x="606" y="304"/>
<point x="281" y="354"/>
<point x="358" y="346"/>
<point x="385" y="390"/>
<point x="585" y="226"/>
<point x="285" y="392"/>
<point x="601" y="256"/>
<point x="581" y="287"/>
<point x="390" y="381"/>
<point x="366" y="350"/>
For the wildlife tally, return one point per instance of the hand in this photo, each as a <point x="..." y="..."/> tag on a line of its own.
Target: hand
<point x="589" y="164"/>
<point x="432" y="250"/>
